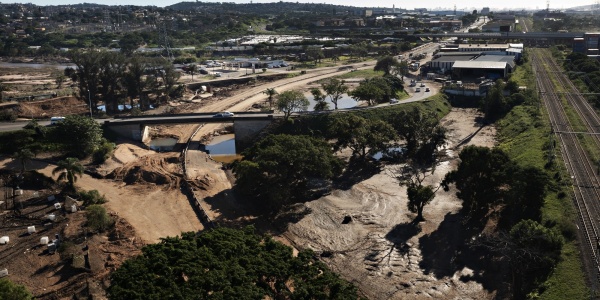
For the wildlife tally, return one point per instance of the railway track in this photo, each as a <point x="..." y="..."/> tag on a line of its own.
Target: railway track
<point x="556" y="95"/>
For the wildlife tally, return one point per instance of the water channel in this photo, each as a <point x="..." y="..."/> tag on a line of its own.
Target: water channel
<point x="222" y="148"/>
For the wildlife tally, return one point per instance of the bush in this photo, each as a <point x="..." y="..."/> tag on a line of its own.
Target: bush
<point x="98" y="219"/>
<point x="103" y="152"/>
<point x="91" y="197"/>
<point x="12" y="291"/>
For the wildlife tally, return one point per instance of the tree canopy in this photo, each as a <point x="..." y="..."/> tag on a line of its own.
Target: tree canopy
<point x="80" y="135"/>
<point x="12" y="291"/>
<point x="278" y="168"/>
<point x="363" y="136"/>
<point x="334" y="89"/>
<point x="389" y="65"/>
<point x="225" y="264"/>
<point x="291" y="101"/>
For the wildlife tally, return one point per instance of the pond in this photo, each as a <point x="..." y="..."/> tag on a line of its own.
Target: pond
<point x="163" y="144"/>
<point x="389" y="153"/>
<point x="344" y="102"/>
<point x="222" y="148"/>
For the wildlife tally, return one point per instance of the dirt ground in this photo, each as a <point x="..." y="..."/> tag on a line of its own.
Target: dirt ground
<point x="378" y="250"/>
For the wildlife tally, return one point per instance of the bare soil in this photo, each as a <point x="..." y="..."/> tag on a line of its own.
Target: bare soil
<point x="380" y="251"/>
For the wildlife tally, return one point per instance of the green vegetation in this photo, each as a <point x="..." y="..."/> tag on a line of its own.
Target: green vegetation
<point x="278" y="169"/>
<point x="524" y="134"/>
<point x="91" y="197"/>
<point x="289" y="102"/>
<point x="226" y="264"/>
<point x="98" y="219"/>
<point x="367" y="74"/>
<point x="12" y="291"/>
<point x="68" y="169"/>
<point x="362" y="136"/>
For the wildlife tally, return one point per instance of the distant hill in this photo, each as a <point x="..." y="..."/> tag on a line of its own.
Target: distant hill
<point x="265" y="8"/>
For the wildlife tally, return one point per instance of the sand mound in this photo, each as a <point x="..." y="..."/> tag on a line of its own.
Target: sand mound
<point x="159" y="170"/>
<point x="53" y="107"/>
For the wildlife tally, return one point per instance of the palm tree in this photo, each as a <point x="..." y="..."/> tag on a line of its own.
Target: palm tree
<point x="24" y="156"/>
<point x="193" y="69"/>
<point x="270" y="92"/>
<point x="69" y="169"/>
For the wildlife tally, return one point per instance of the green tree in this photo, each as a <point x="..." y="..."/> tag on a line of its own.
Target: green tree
<point x="97" y="218"/>
<point x="278" y="168"/>
<point x="494" y="103"/>
<point x="319" y="97"/>
<point x="193" y="70"/>
<point x="91" y="197"/>
<point x="130" y="42"/>
<point x="225" y="263"/>
<point x="334" y="89"/>
<point x="87" y="74"/>
<point x="68" y="169"/>
<point x="315" y="53"/>
<point x="169" y="77"/>
<point x="369" y="92"/>
<point x="24" y="156"/>
<point x="80" y="135"/>
<point x="481" y="178"/>
<point x="362" y="136"/>
<point x="289" y="102"/>
<point x="418" y="197"/>
<point x="270" y="92"/>
<point x="112" y="71"/>
<point x="12" y="291"/>
<point x="388" y="64"/>
<point x="134" y="78"/>
<point x="421" y="132"/>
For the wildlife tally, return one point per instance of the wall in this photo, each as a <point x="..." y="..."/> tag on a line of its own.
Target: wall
<point x="247" y="131"/>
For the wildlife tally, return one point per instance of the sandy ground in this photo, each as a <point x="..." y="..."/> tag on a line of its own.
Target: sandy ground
<point x="380" y="251"/>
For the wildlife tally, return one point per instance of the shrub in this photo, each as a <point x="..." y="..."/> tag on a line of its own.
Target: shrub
<point x="103" y="152"/>
<point x="91" y="197"/>
<point x="98" y="219"/>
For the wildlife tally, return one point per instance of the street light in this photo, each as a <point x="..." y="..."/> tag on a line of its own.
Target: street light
<point x="90" y="100"/>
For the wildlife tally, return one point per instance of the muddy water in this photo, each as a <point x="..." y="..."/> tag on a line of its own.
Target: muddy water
<point x="222" y="148"/>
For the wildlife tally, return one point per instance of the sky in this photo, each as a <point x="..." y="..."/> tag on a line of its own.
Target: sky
<point x="461" y="5"/>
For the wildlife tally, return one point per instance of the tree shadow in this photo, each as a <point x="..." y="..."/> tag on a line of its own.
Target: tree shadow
<point x="358" y="170"/>
<point x="235" y="210"/>
<point x="403" y="232"/>
<point x="447" y="251"/>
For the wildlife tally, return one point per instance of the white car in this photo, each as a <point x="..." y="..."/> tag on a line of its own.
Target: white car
<point x="224" y="114"/>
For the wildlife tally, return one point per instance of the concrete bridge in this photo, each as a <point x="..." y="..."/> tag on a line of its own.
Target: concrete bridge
<point x="246" y="126"/>
<point x="529" y="37"/>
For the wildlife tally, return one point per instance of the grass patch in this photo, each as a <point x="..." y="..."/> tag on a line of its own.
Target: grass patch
<point x="366" y="74"/>
<point x="524" y="134"/>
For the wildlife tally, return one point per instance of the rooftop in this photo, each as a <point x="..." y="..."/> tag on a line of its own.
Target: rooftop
<point x="474" y="64"/>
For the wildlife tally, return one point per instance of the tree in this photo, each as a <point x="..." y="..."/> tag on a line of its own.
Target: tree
<point x="130" y="42"/>
<point x="363" y="136"/>
<point x="87" y="74"/>
<point x="320" y="99"/>
<point x="24" y="156"/>
<point x="315" y="53"/>
<point x="169" y="77"/>
<point x="494" y="103"/>
<point x="369" y="92"/>
<point x="418" y="197"/>
<point x="389" y="65"/>
<point x="69" y="169"/>
<point x="481" y="178"/>
<point x="278" y="168"/>
<point x="334" y="89"/>
<point x="133" y="78"/>
<point x="60" y="78"/>
<point x="270" y="92"/>
<point x="193" y="69"/>
<point x="291" y="101"/>
<point x="225" y="263"/>
<point x="12" y="291"/>
<point x="112" y="70"/>
<point x="97" y="218"/>
<point x="79" y="135"/>
<point x="421" y="132"/>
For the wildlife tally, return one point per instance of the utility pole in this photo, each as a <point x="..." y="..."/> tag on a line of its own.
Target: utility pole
<point x="90" y="100"/>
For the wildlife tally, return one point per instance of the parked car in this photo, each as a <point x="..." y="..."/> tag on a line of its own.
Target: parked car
<point x="56" y="120"/>
<point x="422" y="84"/>
<point x="427" y="89"/>
<point x="417" y="90"/>
<point x="224" y="114"/>
<point x="393" y="101"/>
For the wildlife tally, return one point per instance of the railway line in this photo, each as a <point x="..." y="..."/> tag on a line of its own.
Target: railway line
<point x="557" y="92"/>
